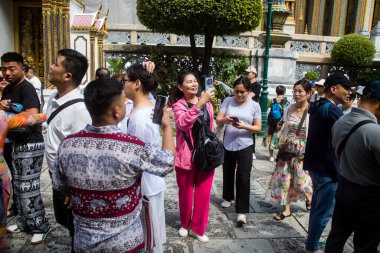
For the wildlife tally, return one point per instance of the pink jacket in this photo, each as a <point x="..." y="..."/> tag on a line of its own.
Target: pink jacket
<point x="184" y="120"/>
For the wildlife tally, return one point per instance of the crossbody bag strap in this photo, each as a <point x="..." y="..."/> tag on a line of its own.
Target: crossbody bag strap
<point x="343" y="143"/>
<point x="301" y="122"/>
<point x="60" y="108"/>
<point x="187" y="139"/>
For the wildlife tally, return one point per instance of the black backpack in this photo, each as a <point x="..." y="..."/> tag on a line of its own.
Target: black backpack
<point x="209" y="151"/>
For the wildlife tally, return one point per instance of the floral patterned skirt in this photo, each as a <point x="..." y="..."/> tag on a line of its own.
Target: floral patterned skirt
<point x="289" y="183"/>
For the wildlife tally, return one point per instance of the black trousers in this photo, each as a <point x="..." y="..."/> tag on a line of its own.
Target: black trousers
<point x="241" y="162"/>
<point x="63" y="215"/>
<point x="254" y="143"/>
<point x="8" y="149"/>
<point x="357" y="209"/>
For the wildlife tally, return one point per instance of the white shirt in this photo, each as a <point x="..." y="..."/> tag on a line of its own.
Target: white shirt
<point x="37" y="85"/>
<point x="237" y="139"/>
<point x="70" y="120"/>
<point x="140" y="124"/>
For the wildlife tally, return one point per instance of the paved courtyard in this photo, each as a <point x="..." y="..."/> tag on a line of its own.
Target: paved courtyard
<point x="261" y="234"/>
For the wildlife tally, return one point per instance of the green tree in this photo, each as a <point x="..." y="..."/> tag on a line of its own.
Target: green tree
<point x="207" y="17"/>
<point x="311" y="75"/>
<point x="353" y="51"/>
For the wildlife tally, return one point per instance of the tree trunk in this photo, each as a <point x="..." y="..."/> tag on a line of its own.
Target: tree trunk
<point x="209" y="38"/>
<point x="194" y="55"/>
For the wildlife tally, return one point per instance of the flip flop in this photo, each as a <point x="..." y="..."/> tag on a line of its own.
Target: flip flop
<point x="281" y="216"/>
<point x="308" y="205"/>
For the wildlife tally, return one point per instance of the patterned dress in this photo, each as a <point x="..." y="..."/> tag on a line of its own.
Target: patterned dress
<point x="101" y="168"/>
<point x="10" y="121"/>
<point x="289" y="182"/>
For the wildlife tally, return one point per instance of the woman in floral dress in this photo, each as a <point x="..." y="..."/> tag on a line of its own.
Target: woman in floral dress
<point x="289" y="182"/>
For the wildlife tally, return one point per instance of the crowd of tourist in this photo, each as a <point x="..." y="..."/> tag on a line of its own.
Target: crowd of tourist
<point x="108" y="148"/>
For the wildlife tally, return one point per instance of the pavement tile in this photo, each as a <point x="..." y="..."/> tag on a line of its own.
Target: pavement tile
<point x="177" y="246"/>
<point x="14" y="244"/>
<point x="289" y="245"/>
<point x="262" y="225"/>
<point x="234" y="246"/>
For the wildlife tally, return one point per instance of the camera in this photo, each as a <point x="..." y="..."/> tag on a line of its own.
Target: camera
<point x="209" y="83"/>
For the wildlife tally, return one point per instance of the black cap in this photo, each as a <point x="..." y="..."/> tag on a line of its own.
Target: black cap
<point x="372" y="90"/>
<point x="338" y="78"/>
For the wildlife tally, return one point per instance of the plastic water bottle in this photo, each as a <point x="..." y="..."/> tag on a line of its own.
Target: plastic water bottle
<point x="15" y="107"/>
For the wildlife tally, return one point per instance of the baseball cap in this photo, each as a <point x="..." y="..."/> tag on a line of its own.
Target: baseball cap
<point x="251" y="69"/>
<point x="320" y="82"/>
<point x="372" y="90"/>
<point x="338" y="78"/>
<point x="360" y="89"/>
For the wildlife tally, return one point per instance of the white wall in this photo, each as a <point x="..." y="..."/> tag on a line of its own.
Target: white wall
<point x="6" y="24"/>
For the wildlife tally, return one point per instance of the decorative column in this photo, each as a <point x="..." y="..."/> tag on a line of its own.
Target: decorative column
<point x="366" y="17"/>
<point x="92" y="54"/>
<point x="56" y="30"/>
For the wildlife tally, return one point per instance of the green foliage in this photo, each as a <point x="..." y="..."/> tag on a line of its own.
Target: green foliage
<point x="116" y="63"/>
<point x="222" y="17"/>
<point x="365" y="77"/>
<point x="206" y="17"/>
<point x="311" y="76"/>
<point x="353" y="50"/>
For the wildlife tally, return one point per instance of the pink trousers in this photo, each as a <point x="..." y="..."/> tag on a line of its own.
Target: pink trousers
<point x="194" y="185"/>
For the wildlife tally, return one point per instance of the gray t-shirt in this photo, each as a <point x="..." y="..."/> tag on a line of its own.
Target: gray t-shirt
<point x="360" y="160"/>
<point x="238" y="139"/>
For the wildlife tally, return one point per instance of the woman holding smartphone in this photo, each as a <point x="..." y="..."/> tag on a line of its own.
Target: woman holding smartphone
<point x="194" y="186"/>
<point x="139" y="81"/>
<point x="242" y="117"/>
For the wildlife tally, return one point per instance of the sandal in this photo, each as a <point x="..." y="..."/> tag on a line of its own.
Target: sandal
<point x="308" y="205"/>
<point x="281" y="216"/>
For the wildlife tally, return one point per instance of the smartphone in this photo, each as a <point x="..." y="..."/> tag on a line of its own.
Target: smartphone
<point x="158" y="109"/>
<point x="209" y="83"/>
<point x="236" y="119"/>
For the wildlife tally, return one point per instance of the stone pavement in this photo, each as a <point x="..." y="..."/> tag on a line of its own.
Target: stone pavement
<point x="261" y="234"/>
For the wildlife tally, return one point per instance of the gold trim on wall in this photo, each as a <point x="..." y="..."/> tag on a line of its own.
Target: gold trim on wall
<point x="336" y="22"/>
<point x="315" y="21"/>
<point x="373" y="2"/>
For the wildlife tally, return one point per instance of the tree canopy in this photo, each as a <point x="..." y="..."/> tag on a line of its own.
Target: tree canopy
<point x="221" y="17"/>
<point x="200" y="17"/>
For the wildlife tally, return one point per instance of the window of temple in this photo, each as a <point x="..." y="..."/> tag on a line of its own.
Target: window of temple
<point x="351" y="16"/>
<point x="376" y="14"/>
<point x="327" y="18"/>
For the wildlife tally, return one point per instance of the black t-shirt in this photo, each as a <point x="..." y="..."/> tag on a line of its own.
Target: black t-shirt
<point x="256" y="88"/>
<point x="25" y="94"/>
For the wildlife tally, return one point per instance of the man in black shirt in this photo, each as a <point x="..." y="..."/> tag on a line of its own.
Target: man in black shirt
<point x="251" y="74"/>
<point x="28" y="151"/>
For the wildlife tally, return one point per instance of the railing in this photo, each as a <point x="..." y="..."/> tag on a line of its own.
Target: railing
<point x="304" y="45"/>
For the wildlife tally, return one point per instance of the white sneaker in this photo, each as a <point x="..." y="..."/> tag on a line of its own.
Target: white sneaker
<point x="38" y="238"/>
<point x="183" y="232"/>
<point x="226" y="204"/>
<point x="203" y="238"/>
<point x="14" y="229"/>
<point x="254" y="156"/>
<point x="271" y="159"/>
<point x="241" y="220"/>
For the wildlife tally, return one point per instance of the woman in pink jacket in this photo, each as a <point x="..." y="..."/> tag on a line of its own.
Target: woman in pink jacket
<point x="194" y="186"/>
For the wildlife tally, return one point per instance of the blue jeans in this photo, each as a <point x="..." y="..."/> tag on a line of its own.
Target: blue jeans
<point x="322" y="208"/>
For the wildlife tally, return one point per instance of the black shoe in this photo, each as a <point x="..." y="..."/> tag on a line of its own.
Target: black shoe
<point x="12" y="212"/>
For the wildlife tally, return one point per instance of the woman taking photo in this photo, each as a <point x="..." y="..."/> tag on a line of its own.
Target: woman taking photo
<point x="138" y="83"/>
<point x="289" y="181"/>
<point x="194" y="186"/>
<point x="243" y="117"/>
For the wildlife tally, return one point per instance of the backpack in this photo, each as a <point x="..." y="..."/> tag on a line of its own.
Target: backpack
<point x="209" y="151"/>
<point x="276" y="111"/>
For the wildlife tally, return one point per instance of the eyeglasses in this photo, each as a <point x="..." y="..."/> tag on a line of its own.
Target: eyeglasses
<point x="123" y="81"/>
<point x="247" y="73"/>
<point x="240" y="91"/>
<point x="1" y="78"/>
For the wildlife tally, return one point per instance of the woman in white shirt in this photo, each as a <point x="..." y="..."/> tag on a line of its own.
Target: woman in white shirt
<point x="138" y="83"/>
<point x="243" y="117"/>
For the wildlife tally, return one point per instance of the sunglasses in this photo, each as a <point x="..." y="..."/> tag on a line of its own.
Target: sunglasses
<point x="1" y="78"/>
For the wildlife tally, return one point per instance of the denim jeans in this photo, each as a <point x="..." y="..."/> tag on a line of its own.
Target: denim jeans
<point x="322" y="208"/>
